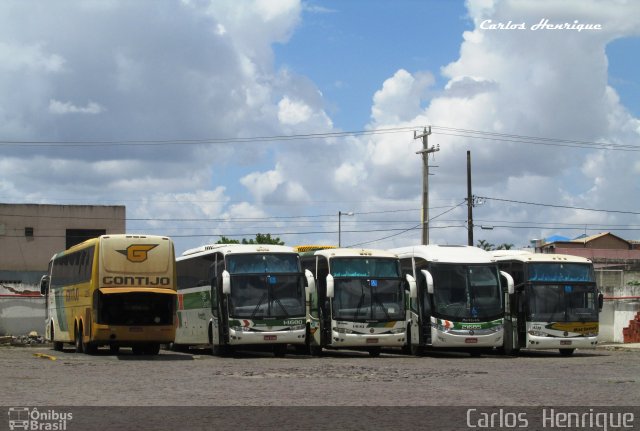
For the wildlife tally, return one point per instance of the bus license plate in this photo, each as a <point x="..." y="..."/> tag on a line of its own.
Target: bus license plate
<point x="565" y="342"/>
<point x="135" y="329"/>
<point x="372" y="340"/>
<point x="471" y="340"/>
<point x="270" y="337"/>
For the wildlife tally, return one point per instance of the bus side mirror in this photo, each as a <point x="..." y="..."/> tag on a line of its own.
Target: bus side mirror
<point x="600" y="301"/>
<point x="329" y="286"/>
<point x="413" y="290"/>
<point x="510" y="283"/>
<point x="429" y="279"/>
<point x="311" y="282"/>
<point x="226" y="282"/>
<point x="44" y="285"/>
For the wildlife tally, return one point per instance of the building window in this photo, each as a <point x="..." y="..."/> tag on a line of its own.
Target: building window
<point x="76" y="236"/>
<point x="28" y="232"/>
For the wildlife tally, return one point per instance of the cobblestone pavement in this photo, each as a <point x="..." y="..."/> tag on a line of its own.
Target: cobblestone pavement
<point x="41" y="376"/>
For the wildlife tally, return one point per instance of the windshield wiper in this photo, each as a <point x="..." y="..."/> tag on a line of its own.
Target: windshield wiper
<point x="360" y="302"/>
<point x="277" y="301"/>
<point x="255" y="310"/>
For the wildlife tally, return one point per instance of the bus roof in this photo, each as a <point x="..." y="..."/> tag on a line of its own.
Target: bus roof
<point x="446" y="253"/>
<point x="353" y="252"/>
<point x="115" y="237"/>
<point x="527" y="256"/>
<point x="309" y="248"/>
<point x="238" y="248"/>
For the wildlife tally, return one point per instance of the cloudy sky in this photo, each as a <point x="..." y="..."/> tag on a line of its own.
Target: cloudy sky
<point x="210" y="118"/>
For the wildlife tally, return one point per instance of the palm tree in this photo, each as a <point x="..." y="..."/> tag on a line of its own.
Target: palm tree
<point x="485" y="245"/>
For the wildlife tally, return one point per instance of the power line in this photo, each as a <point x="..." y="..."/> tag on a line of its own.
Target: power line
<point x="216" y="141"/>
<point x="534" y="140"/>
<point x="441" y="130"/>
<point x="560" y="206"/>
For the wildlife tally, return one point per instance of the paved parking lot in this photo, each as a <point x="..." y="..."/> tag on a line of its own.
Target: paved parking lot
<point x="40" y="376"/>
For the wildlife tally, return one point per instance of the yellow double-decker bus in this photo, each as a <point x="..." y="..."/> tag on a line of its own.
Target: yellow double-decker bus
<point x="114" y="290"/>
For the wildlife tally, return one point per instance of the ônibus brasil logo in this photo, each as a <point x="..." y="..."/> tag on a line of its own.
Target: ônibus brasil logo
<point x="137" y="252"/>
<point x="25" y="418"/>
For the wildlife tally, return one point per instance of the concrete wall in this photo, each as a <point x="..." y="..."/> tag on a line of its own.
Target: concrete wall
<point x="19" y="315"/>
<point x="49" y="223"/>
<point x="621" y="290"/>
<point x="24" y="258"/>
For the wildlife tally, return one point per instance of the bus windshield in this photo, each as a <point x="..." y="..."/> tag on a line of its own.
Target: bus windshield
<point x="562" y="303"/>
<point x="263" y="263"/>
<point x="365" y="267"/>
<point x="361" y="299"/>
<point x="262" y="296"/>
<point x="560" y="272"/>
<point x="466" y="292"/>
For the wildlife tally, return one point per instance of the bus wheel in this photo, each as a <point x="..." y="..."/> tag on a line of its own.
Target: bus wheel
<point x="279" y="350"/>
<point x="566" y="352"/>
<point x="89" y="348"/>
<point x="152" y="349"/>
<point x="78" y="332"/>
<point x="315" y="350"/>
<point x="416" y="350"/>
<point x="374" y="352"/>
<point x="57" y="345"/>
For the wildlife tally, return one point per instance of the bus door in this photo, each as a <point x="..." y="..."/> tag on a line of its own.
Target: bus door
<point x="324" y="303"/>
<point x="424" y="307"/>
<point x="217" y="300"/>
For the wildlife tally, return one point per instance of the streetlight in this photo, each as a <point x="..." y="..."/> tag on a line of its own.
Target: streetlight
<point x="340" y="214"/>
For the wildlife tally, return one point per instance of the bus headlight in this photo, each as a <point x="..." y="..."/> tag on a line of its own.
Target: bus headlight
<point x="497" y="328"/>
<point x="298" y="327"/>
<point x="343" y="331"/>
<point x="538" y="334"/>
<point x="241" y="328"/>
<point x="397" y="331"/>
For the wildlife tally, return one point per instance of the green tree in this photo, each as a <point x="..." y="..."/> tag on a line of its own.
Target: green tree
<point x="224" y="240"/>
<point x="485" y="245"/>
<point x="505" y="246"/>
<point x="260" y="239"/>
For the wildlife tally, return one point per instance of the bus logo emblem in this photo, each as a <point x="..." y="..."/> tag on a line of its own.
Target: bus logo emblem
<point x="137" y="252"/>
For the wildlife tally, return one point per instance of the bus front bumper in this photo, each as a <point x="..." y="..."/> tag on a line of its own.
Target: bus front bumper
<point x="237" y="337"/>
<point x="122" y="335"/>
<point x="340" y="339"/>
<point x="466" y="339"/>
<point x="537" y="342"/>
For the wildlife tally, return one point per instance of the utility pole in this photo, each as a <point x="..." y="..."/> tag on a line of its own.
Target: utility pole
<point x="469" y="202"/>
<point x="425" y="180"/>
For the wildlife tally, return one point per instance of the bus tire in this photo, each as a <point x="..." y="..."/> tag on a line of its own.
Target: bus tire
<point x="416" y="349"/>
<point x="406" y="349"/>
<point x="78" y="340"/>
<point x="137" y="349"/>
<point x="89" y="348"/>
<point x="152" y="349"/>
<point x="279" y="350"/>
<point x="216" y="349"/>
<point x="315" y="350"/>
<point x="57" y="345"/>
<point x="567" y="352"/>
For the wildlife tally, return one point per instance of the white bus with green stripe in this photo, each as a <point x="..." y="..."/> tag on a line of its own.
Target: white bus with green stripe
<point x="236" y="295"/>
<point x="555" y="304"/>
<point x="458" y="300"/>
<point x="357" y="302"/>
